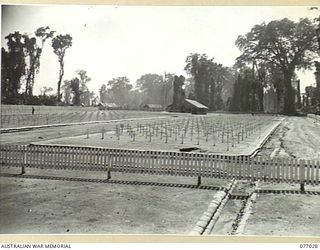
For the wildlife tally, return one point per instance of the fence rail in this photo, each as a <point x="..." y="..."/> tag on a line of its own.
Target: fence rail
<point x="160" y="163"/>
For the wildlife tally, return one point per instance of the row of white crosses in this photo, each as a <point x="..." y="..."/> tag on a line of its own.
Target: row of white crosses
<point x="17" y="120"/>
<point x="229" y="131"/>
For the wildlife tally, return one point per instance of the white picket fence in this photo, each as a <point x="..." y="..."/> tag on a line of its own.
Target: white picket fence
<point x="160" y="163"/>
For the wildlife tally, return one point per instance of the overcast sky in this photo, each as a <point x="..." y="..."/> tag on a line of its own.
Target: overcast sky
<point x="114" y="41"/>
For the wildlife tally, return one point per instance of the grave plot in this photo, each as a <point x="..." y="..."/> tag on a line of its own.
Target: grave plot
<point x="219" y="134"/>
<point x="75" y="115"/>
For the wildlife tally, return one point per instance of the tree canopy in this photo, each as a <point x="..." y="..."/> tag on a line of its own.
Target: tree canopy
<point x="33" y="51"/>
<point x="286" y="44"/>
<point x="119" y="89"/>
<point x="156" y="89"/>
<point x="209" y="78"/>
<point x="13" y="65"/>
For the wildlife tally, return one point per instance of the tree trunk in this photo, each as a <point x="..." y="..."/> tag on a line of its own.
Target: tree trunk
<point x="289" y="97"/>
<point x="61" y="73"/>
<point x="252" y="96"/>
<point x="298" y="95"/>
<point x="260" y="95"/>
<point x="212" y="100"/>
<point x="317" y="75"/>
<point x="206" y="92"/>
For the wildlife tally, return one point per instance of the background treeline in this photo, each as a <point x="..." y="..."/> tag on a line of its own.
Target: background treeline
<point x="20" y="64"/>
<point x="271" y="53"/>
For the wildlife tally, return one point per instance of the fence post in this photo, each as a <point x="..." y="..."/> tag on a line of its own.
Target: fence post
<point x="302" y="175"/>
<point x="199" y="181"/>
<point x="24" y="163"/>
<point x="109" y="175"/>
<point x="102" y="134"/>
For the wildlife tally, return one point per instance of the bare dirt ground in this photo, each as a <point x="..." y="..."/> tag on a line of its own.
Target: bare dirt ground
<point x="297" y="137"/>
<point x="285" y="215"/>
<point x="284" y="211"/>
<point x="129" y="204"/>
<point x="55" y="202"/>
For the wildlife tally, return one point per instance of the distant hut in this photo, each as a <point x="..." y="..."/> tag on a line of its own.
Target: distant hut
<point x="194" y="107"/>
<point x="108" y="106"/>
<point x="152" y="107"/>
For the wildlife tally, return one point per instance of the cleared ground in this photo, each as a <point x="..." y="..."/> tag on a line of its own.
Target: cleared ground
<point x="285" y="215"/>
<point x="148" y="204"/>
<point x="284" y="212"/>
<point x="296" y="137"/>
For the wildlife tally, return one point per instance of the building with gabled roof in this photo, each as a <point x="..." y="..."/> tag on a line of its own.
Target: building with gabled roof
<point x="194" y="107"/>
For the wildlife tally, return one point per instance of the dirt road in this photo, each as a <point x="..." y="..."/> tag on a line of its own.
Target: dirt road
<point x="297" y="137"/>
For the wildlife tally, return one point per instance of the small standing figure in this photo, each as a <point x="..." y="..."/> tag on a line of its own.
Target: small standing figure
<point x="33" y="110"/>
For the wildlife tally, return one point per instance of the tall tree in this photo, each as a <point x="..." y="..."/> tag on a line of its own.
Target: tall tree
<point x="245" y="96"/>
<point x="198" y="66"/>
<point x="66" y="87"/>
<point x="262" y="70"/>
<point x="298" y="95"/>
<point x="103" y="93"/>
<point x="317" y="76"/>
<point x="209" y="80"/>
<point x="60" y="44"/>
<point x="12" y="65"/>
<point x="167" y="88"/>
<point x="235" y="104"/>
<point x="33" y="52"/>
<point x="189" y="88"/>
<point x="119" y="89"/>
<point x="84" y="79"/>
<point x="135" y="99"/>
<point x="286" y="44"/>
<point x="178" y="92"/>
<point x="153" y="87"/>
<point x="218" y="76"/>
<point x="86" y="95"/>
<point x="317" y="64"/>
<point x="75" y="87"/>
